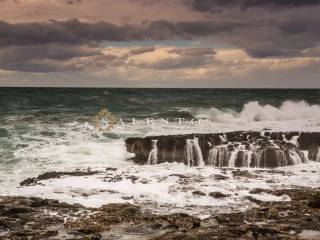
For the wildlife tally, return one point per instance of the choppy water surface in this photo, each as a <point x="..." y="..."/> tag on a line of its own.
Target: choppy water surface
<point x="45" y="129"/>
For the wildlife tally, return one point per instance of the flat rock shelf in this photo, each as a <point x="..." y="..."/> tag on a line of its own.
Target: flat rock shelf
<point x="233" y="149"/>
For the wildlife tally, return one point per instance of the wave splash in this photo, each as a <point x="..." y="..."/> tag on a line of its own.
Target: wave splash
<point x="254" y="111"/>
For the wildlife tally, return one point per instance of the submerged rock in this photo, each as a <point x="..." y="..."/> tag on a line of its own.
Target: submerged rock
<point x="218" y="195"/>
<point x="199" y="193"/>
<point x="246" y="174"/>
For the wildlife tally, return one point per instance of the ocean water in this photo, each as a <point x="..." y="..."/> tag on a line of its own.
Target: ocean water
<point x="47" y="129"/>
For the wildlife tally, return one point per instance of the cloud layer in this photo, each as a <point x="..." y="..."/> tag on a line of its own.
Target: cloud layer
<point x="147" y="41"/>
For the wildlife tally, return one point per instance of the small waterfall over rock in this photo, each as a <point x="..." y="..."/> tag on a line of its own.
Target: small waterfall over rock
<point x="222" y="156"/>
<point x="153" y="155"/>
<point x="219" y="156"/>
<point x="193" y="152"/>
<point x="269" y="158"/>
<point x="233" y="157"/>
<point x="233" y="149"/>
<point x="243" y="159"/>
<point x="314" y="153"/>
<point x="296" y="157"/>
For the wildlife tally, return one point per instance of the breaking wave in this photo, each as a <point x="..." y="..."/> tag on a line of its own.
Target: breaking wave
<point x="254" y="111"/>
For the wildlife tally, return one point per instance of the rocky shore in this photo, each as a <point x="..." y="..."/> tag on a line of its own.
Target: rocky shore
<point x="214" y="199"/>
<point x="36" y="218"/>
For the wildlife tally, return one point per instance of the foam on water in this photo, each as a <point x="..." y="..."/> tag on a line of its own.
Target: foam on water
<point x="169" y="187"/>
<point x="80" y="146"/>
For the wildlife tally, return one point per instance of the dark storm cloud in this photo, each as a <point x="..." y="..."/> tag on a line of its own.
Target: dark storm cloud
<point x="213" y="5"/>
<point x="77" y="32"/>
<point x="185" y="30"/>
<point x="71" y="32"/>
<point x="51" y="51"/>
<point x="258" y="38"/>
<point x="39" y="66"/>
<point x="52" y="46"/>
<point x="287" y="37"/>
<point x="44" y="58"/>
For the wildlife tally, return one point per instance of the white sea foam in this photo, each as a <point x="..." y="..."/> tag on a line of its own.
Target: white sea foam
<point x="289" y="116"/>
<point x="253" y="111"/>
<point x="81" y="146"/>
<point x="169" y="187"/>
<point x="288" y="110"/>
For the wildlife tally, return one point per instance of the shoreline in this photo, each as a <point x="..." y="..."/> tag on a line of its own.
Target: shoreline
<point x="36" y="218"/>
<point x="174" y="200"/>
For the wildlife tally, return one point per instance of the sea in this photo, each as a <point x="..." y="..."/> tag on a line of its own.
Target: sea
<point x="53" y="129"/>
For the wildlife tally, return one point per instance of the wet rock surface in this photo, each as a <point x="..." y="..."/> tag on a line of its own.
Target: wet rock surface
<point x="172" y="188"/>
<point x="52" y="175"/>
<point x="36" y="218"/>
<point x="233" y="149"/>
<point x="218" y="195"/>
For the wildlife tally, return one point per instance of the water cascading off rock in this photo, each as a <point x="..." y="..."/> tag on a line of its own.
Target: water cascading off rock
<point x="234" y="149"/>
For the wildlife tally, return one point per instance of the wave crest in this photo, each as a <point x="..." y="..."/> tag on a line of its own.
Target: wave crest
<point x="254" y="111"/>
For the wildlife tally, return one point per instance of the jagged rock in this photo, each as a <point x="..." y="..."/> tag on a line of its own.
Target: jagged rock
<point x="180" y="220"/>
<point x="110" y="214"/>
<point x="315" y="202"/>
<point x="199" y="193"/>
<point x="50" y="175"/>
<point x="294" y="194"/>
<point x="220" y="177"/>
<point x="238" y="173"/>
<point x="253" y="199"/>
<point x="111" y="169"/>
<point x="218" y="195"/>
<point x="307" y="139"/>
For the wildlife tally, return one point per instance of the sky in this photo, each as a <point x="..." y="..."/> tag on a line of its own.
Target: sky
<point x="160" y="43"/>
